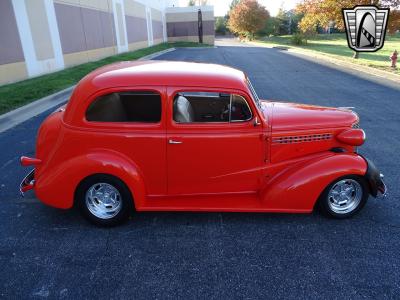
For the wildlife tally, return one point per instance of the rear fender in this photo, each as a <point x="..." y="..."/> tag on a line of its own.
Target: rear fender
<point x="299" y="187"/>
<point x="56" y="186"/>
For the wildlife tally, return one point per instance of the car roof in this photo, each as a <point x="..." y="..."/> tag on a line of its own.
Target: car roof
<point x="153" y="73"/>
<point x="169" y="73"/>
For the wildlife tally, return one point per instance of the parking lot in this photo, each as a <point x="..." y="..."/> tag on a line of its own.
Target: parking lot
<point x="46" y="252"/>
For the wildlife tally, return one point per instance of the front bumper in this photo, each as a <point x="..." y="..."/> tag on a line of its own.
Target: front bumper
<point x="28" y="183"/>
<point x="375" y="180"/>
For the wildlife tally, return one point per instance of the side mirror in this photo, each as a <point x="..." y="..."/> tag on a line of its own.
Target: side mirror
<point x="256" y="122"/>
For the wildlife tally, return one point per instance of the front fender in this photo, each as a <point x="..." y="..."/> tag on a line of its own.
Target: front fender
<point x="299" y="187"/>
<point x="55" y="185"/>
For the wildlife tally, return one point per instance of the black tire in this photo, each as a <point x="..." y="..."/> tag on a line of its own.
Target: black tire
<point x="326" y="202"/>
<point x="125" y="206"/>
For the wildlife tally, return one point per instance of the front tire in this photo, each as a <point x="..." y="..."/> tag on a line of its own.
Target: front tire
<point x="344" y="197"/>
<point x="104" y="200"/>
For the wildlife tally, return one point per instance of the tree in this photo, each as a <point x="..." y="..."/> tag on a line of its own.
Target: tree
<point x="322" y="12"/>
<point x="394" y="21"/>
<point x="285" y="22"/>
<point x="220" y="25"/>
<point x="200" y="2"/>
<point x="246" y="18"/>
<point x="233" y="4"/>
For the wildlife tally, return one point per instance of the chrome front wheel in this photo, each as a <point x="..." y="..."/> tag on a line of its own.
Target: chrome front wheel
<point x="344" y="197"/>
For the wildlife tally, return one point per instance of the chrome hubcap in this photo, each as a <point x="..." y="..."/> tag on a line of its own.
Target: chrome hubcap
<point x="345" y="196"/>
<point x="103" y="200"/>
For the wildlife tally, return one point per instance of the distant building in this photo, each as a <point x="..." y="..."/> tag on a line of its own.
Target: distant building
<point x="42" y="36"/>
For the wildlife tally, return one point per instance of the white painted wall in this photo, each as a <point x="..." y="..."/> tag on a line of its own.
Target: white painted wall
<point x="149" y="26"/>
<point x="34" y="66"/>
<point x="122" y="45"/>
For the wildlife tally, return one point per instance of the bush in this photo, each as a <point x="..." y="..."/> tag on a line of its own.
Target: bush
<point x="220" y="25"/>
<point x="299" y="39"/>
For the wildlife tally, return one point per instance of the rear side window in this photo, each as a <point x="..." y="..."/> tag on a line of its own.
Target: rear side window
<point x="143" y="106"/>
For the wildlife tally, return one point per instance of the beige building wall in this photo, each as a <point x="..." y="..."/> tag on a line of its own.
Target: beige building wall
<point x="40" y="29"/>
<point x="12" y="61"/>
<point x="42" y="36"/>
<point x="13" y="72"/>
<point x="182" y="24"/>
<point x="136" y="27"/>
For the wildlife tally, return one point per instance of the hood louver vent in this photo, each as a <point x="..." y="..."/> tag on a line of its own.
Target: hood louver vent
<point x="302" y="138"/>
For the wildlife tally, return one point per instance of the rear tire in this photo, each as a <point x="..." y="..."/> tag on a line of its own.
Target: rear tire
<point x="104" y="200"/>
<point x="344" y="197"/>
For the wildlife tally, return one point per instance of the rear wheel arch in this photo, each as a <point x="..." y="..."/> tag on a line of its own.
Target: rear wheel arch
<point x="103" y="175"/>
<point x="117" y="165"/>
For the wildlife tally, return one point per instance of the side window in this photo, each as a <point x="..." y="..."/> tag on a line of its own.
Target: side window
<point x="137" y="106"/>
<point x="195" y="107"/>
<point x="240" y="110"/>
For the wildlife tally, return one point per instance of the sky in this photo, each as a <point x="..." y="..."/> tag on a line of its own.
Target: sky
<point x="221" y="7"/>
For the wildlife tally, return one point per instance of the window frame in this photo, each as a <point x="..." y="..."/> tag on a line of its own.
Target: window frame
<point x="230" y="110"/>
<point x="160" y="90"/>
<point x="253" y="92"/>
<point x="207" y="90"/>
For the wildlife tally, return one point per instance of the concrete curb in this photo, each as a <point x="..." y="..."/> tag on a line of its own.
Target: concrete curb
<point x="154" y="55"/>
<point x="24" y="113"/>
<point x="344" y="64"/>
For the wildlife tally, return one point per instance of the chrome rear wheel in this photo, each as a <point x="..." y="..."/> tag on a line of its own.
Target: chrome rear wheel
<point x="103" y="200"/>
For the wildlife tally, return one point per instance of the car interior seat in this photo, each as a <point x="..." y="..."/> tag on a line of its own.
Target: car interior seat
<point x="107" y="108"/>
<point x="183" y="111"/>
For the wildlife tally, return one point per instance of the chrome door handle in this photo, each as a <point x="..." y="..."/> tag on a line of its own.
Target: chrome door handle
<point x="174" y="142"/>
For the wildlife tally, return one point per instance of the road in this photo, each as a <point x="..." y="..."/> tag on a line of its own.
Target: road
<point x="46" y="252"/>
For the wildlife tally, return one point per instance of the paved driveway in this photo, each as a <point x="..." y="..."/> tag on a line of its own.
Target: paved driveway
<point x="50" y="253"/>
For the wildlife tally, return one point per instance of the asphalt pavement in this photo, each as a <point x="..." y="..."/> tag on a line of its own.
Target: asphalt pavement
<point x="49" y="253"/>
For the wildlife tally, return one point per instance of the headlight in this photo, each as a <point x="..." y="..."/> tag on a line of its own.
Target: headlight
<point x="352" y="137"/>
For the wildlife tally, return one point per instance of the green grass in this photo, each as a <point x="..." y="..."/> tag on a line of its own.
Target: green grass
<point x="335" y="45"/>
<point x="18" y="94"/>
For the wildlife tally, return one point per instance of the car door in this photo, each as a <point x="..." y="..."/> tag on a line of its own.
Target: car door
<point x="131" y="121"/>
<point x="210" y="151"/>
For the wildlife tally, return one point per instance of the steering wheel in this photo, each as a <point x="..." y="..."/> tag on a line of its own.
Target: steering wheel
<point x="225" y="113"/>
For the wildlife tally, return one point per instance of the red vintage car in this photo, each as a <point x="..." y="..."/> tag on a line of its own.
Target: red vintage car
<point x="178" y="136"/>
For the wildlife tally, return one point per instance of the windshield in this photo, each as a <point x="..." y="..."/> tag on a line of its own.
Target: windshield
<point x="253" y="93"/>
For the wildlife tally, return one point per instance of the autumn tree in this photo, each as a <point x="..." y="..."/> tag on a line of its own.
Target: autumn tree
<point x="233" y="4"/>
<point x="394" y="21"/>
<point x="322" y="12"/>
<point x="246" y="18"/>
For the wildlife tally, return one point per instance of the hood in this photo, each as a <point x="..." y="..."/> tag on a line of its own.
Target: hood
<point x="291" y="116"/>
